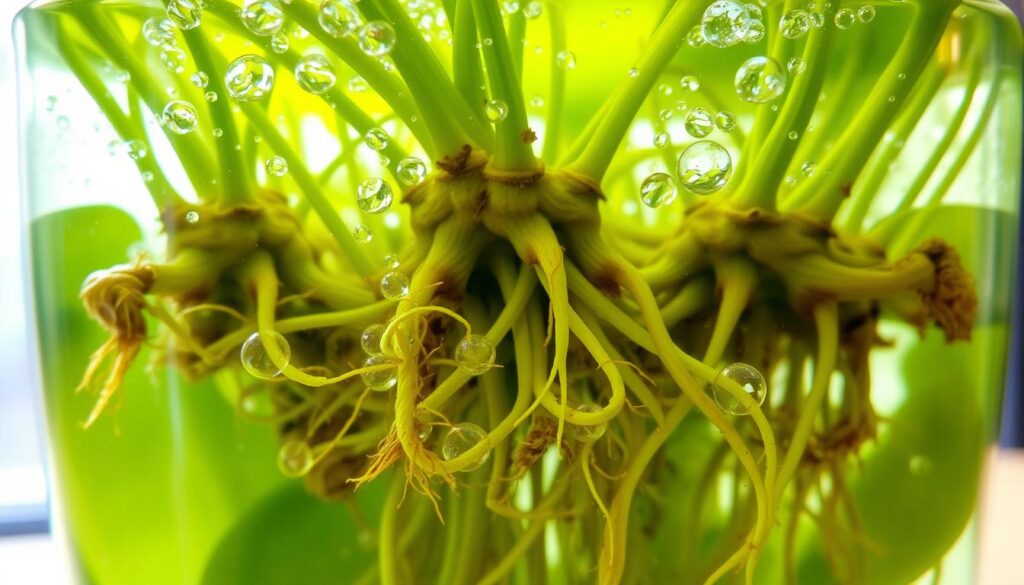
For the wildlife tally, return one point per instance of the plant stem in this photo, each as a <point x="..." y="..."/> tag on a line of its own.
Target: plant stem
<point x="629" y="97"/>
<point x="511" y="152"/>
<point x="556" y="83"/>
<point x="466" y="67"/>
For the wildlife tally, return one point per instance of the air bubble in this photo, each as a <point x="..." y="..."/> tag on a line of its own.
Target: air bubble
<point x="634" y="72"/>
<point x="136" y="149"/>
<point x="392" y="261"/>
<point x="279" y="43"/>
<point x="338" y="18"/>
<point x="382" y="379"/>
<point x="695" y="38"/>
<point x="185" y="14"/>
<point x="249" y="78"/>
<point x="192" y="217"/>
<point x="158" y="31"/>
<point x="374" y="195"/>
<point x="376" y="139"/>
<point x="294" y="458"/>
<point x="748" y="378"/>
<point x="704" y="167"/>
<point x="699" y="122"/>
<point x="755" y="32"/>
<point x="394" y="285"/>
<point x="689" y="83"/>
<point x="725" y="121"/>
<point x="180" y="117"/>
<point x="199" y="79"/>
<point x="460" y="439"/>
<point x="566" y="60"/>
<point x="263" y="17"/>
<point x="725" y="23"/>
<point x="173" y="58"/>
<point x="532" y="10"/>
<point x="496" y="110"/>
<point x="276" y="166"/>
<point x="411" y="171"/>
<point x="760" y="80"/>
<point x="796" y="66"/>
<point x="866" y="13"/>
<point x="376" y="38"/>
<point x="255" y="358"/>
<point x="845" y="18"/>
<point x="315" y="74"/>
<point x="474" y="354"/>
<point x="794" y="24"/>
<point x="370" y="339"/>
<point x="362" y="234"/>
<point x="588" y="433"/>
<point x="662" y="139"/>
<point x="658" y="190"/>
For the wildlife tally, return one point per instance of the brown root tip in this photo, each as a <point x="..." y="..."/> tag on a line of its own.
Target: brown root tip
<point x="528" y="136"/>
<point x="953" y="302"/>
<point x="116" y="299"/>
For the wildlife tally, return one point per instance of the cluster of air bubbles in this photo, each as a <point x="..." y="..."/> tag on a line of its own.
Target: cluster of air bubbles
<point x="338" y="18"/>
<point x="658" y="190"/>
<point x="179" y="117"/>
<point x="699" y="122"/>
<point x="847" y="17"/>
<point x="760" y="80"/>
<point x="461" y="438"/>
<point x="411" y="171"/>
<point x="263" y="17"/>
<point x="381" y="374"/>
<point x="371" y="337"/>
<point x="588" y="433"/>
<point x="184" y="14"/>
<point x="376" y="139"/>
<point x="566" y="60"/>
<point x="374" y="195"/>
<point x="704" y="167"/>
<point x="249" y="78"/>
<point x="394" y="285"/>
<point x="256" y="359"/>
<point x="276" y="166"/>
<point x="376" y="38"/>
<point x="315" y="74"/>
<point x="749" y="380"/>
<point x="474" y="354"/>
<point x="294" y="458"/>
<point x="362" y="234"/>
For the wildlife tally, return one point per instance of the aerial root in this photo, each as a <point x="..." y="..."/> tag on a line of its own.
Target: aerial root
<point x="953" y="302"/>
<point x="116" y="298"/>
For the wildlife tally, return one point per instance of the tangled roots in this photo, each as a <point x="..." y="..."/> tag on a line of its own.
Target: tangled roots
<point x="952" y="303"/>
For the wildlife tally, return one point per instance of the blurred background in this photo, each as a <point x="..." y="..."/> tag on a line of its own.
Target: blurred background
<point x="27" y="553"/>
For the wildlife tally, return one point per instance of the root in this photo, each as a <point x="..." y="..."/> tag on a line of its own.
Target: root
<point x="952" y="302"/>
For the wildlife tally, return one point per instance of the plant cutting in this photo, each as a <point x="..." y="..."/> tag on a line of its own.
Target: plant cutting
<point x="702" y="312"/>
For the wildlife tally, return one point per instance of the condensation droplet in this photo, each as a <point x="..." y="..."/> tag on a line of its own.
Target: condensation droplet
<point x="158" y="31"/>
<point x="179" y="117"/>
<point x="210" y="96"/>
<point x="699" y="122"/>
<point x="315" y="74"/>
<point x="376" y="38"/>
<point x="704" y="167"/>
<point x="256" y="358"/>
<point x="474" y="354"/>
<point x="460" y="439"/>
<point x="760" y="80"/>
<point x="173" y="58"/>
<point x="394" y="285"/>
<point x="411" y="171"/>
<point x="379" y="380"/>
<point x="750" y="381"/>
<point x="634" y="72"/>
<point x="294" y="458"/>
<point x="695" y="38"/>
<point x="374" y="195"/>
<point x="755" y="32"/>
<point x="658" y="190"/>
<point x="249" y="78"/>
<point x="808" y="168"/>
<point x="136" y="149"/>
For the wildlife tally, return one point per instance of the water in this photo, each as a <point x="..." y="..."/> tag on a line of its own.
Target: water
<point x="221" y="461"/>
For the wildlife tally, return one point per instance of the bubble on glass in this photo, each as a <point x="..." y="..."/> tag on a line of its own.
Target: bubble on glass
<point x="689" y="83"/>
<point x="249" y="78"/>
<point x="279" y="43"/>
<point x="376" y="38"/>
<point x="699" y="122"/>
<point x="315" y="74"/>
<point x="370" y="339"/>
<point x="658" y="190"/>
<point x="192" y="217"/>
<point x="749" y="380"/>
<point x="158" y="31"/>
<point x="760" y="80"/>
<point x="662" y="139"/>
<point x="294" y="458"/>
<point x="496" y="110"/>
<point x="173" y="58"/>
<point x="794" y="24"/>
<point x="376" y="139"/>
<point x="210" y="96"/>
<point x="362" y="234"/>
<point x="374" y="195"/>
<point x="695" y="37"/>
<point x="796" y="66"/>
<point x="392" y="261"/>
<point x="338" y="18"/>
<point x="725" y="23"/>
<point x="533" y="9"/>
<point x="845" y="18"/>
<point x="474" y="354"/>
<point x="276" y="166"/>
<point x="460" y="439"/>
<point x="634" y="72"/>
<point x="263" y="17"/>
<point x="411" y="171"/>
<point x="394" y="285"/>
<point x="866" y="13"/>
<point x="199" y="79"/>
<point x="383" y="376"/>
<point x="184" y="14"/>
<point x="755" y="33"/>
<point x="704" y="167"/>
<point x="566" y="60"/>
<point x="256" y="358"/>
<point x="725" y="120"/>
<point x="588" y="433"/>
<point x="136" y="149"/>
<point x="180" y="117"/>
<point x="808" y="168"/>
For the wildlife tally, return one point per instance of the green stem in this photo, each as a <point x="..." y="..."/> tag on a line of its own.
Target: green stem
<point x="629" y="97"/>
<point x="557" y="79"/>
<point x="511" y="151"/>
<point x="390" y="571"/>
<point x="466" y="67"/>
<point x="517" y="40"/>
